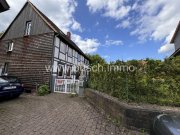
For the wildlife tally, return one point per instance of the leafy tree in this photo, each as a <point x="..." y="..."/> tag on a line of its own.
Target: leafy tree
<point x="95" y="59"/>
<point x="153" y="81"/>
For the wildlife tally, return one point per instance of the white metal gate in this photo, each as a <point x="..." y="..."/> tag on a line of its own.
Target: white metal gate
<point x="66" y="86"/>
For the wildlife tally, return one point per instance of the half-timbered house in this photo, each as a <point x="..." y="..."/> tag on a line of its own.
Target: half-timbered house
<point x="176" y="41"/>
<point x="34" y="49"/>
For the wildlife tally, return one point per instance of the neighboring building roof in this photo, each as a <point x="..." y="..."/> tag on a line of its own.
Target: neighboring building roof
<point x="175" y="34"/>
<point x="52" y="26"/>
<point x="176" y="53"/>
<point x="3" y="6"/>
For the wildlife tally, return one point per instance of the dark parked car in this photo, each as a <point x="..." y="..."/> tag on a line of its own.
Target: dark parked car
<point x="10" y="87"/>
<point x="166" y="125"/>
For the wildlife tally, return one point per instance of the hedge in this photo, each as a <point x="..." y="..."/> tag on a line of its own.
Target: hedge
<point x="153" y="81"/>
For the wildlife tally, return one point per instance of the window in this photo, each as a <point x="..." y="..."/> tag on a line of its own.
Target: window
<point x="74" y="60"/>
<point x="82" y="58"/>
<point x="68" y="71"/>
<point x="56" y="52"/>
<point x="60" y="70"/>
<point x="78" y="73"/>
<point x="10" y="46"/>
<point x="63" y="47"/>
<point x="75" y="54"/>
<point x="57" y="41"/>
<point x="28" y="28"/>
<point x="79" y="57"/>
<point x="5" y="69"/>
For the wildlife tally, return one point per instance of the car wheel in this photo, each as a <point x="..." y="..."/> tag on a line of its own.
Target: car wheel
<point x="16" y="96"/>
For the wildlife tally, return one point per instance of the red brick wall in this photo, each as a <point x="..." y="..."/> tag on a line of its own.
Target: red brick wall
<point x="28" y="58"/>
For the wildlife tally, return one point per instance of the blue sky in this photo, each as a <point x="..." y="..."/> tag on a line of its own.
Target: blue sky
<point x="114" y="29"/>
<point x="105" y="29"/>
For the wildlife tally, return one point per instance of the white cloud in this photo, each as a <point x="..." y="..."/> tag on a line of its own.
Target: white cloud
<point x="111" y="8"/>
<point x="124" y="24"/>
<point x="150" y="20"/>
<point x="76" y="26"/>
<point x="157" y="21"/>
<point x="87" y="45"/>
<point x="8" y="16"/>
<point x="113" y="42"/>
<point x="60" y="12"/>
<point x="167" y="48"/>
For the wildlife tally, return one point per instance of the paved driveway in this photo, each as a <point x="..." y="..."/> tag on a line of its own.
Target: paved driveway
<point x="55" y="114"/>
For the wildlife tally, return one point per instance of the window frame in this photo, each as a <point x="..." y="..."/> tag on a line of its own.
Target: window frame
<point x="75" y="54"/>
<point x="5" y="68"/>
<point x="78" y="73"/>
<point x="10" y="46"/>
<point x="70" y="67"/>
<point x="56" y="49"/>
<point x="57" y="42"/>
<point x="28" y="28"/>
<point x="70" y="54"/>
<point x="79" y="57"/>
<point x="65" y="47"/>
<point x="63" y="67"/>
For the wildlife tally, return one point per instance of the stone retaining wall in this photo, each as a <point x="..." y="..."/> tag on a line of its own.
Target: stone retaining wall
<point x="130" y="116"/>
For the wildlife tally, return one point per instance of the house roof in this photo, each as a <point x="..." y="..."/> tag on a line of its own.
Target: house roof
<point x="57" y="30"/>
<point x="175" y="34"/>
<point x="52" y="26"/>
<point x="176" y="53"/>
<point x="1" y="34"/>
<point x="3" y="5"/>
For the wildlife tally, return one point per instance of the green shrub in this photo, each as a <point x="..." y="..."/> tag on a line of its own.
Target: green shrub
<point x="43" y="90"/>
<point x="155" y="81"/>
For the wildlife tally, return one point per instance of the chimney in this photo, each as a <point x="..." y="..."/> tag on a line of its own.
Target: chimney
<point x="69" y="35"/>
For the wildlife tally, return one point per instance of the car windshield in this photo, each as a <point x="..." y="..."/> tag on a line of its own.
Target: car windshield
<point x="2" y="80"/>
<point x="10" y="79"/>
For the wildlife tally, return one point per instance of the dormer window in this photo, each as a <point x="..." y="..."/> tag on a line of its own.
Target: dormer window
<point x="10" y="46"/>
<point x="28" y="28"/>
